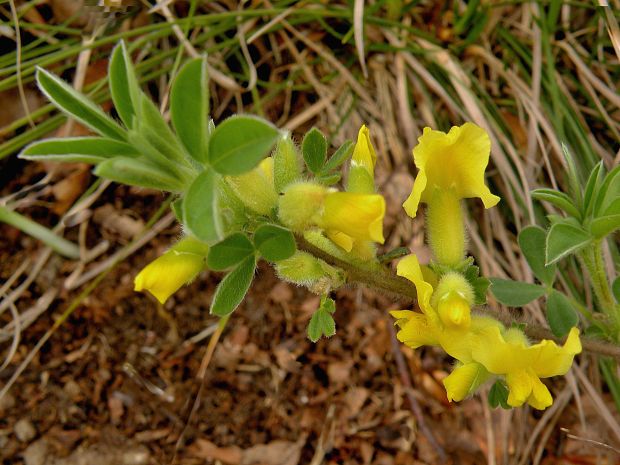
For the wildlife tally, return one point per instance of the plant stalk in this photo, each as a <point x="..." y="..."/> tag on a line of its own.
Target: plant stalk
<point x="26" y="225"/>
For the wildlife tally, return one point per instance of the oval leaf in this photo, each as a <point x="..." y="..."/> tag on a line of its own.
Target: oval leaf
<point x="560" y="314"/>
<point x="78" y="149"/>
<point x="229" y="252"/>
<point x="189" y="107"/>
<point x="532" y="242"/>
<point x="314" y="149"/>
<point x="498" y="395"/>
<point x="232" y="289"/>
<point x="200" y="207"/>
<point x="515" y="293"/>
<point x="321" y="324"/>
<point x="563" y="239"/>
<point x="274" y="242"/>
<point x="240" y="143"/>
<point x="77" y="105"/>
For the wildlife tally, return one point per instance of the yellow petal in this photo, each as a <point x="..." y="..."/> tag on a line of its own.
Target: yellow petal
<point x="364" y="153"/>
<point x="409" y="267"/>
<point x="341" y="239"/>
<point x="454" y="310"/>
<point x="520" y="386"/>
<point x="456" y="161"/>
<point x="553" y="360"/>
<point x="540" y="398"/>
<point x="464" y="380"/>
<point x="175" y="268"/>
<point x="415" y="329"/>
<point x="357" y="215"/>
<point x="545" y="358"/>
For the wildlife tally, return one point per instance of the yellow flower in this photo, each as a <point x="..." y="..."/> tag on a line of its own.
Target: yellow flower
<point x="362" y="168"/>
<point x="447" y="301"/>
<point x="359" y="216"/>
<point x="451" y="162"/>
<point x="175" y="268"/>
<point x="523" y="364"/>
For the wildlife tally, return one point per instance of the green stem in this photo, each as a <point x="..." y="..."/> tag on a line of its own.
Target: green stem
<point x="592" y="258"/>
<point x="57" y="243"/>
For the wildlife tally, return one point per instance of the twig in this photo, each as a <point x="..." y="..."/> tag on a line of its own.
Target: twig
<point x="201" y="375"/>
<point x="415" y="406"/>
<point x="404" y="291"/>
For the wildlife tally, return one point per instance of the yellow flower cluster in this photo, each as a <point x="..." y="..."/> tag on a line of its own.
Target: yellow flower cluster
<point x="352" y="219"/>
<point x="451" y="167"/>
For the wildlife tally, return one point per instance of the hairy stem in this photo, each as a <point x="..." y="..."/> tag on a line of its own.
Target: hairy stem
<point x="592" y="258"/>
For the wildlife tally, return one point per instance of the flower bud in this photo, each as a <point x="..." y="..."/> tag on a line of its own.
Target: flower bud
<point x="286" y="164"/>
<point x="255" y="188"/>
<point x="453" y="299"/>
<point x="300" y="203"/>
<point x="306" y="270"/>
<point x="362" y="167"/>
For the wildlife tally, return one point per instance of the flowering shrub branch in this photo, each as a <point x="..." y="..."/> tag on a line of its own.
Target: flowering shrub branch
<point x="244" y="192"/>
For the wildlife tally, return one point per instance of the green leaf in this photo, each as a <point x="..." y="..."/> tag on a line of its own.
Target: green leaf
<point x="327" y="304"/>
<point x="515" y="293"/>
<point x="152" y="151"/>
<point x="78" y="149"/>
<point x="592" y="187"/>
<point x="573" y="176"/>
<point x="229" y="252"/>
<point x="609" y="191"/>
<point x="232" y="289"/>
<point x="314" y="149"/>
<point x="560" y="313"/>
<point x="238" y="144"/>
<point x="605" y="225"/>
<point x="77" y="105"/>
<point x="613" y="208"/>
<point x="563" y="239"/>
<point x="498" y="395"/>
<point x="480" y="286"/>
<point x="339" y="157"/>
<point x="274" y="242"/>
<point x="137" y="172"/>
<point x="615" y="289"/>
<point x="329" y="179"/>
<point x="557" y="198"/>
<point x="200" y="207"/>
<point x="155" y="129"/>
<point x="322" y="323"/>
<point x="532" y="241"/>
<point x="124" y="86"/>
<point x="189" y="107"/>
<point x="177" y="208"/>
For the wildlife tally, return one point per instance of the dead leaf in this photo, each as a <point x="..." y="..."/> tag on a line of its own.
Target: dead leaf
<point x="275" y="453"/>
